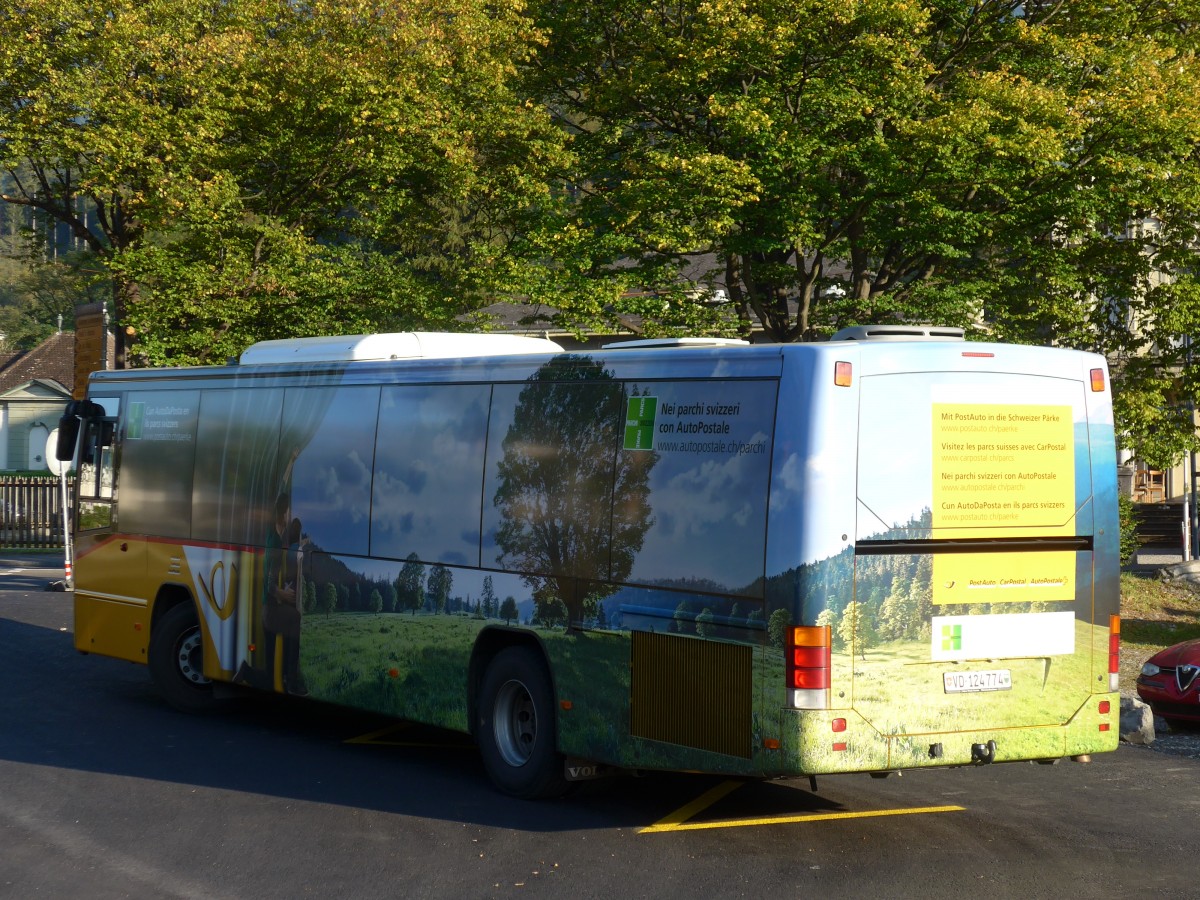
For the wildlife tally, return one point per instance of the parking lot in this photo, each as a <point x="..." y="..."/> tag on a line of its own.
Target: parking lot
<point x="110" y="793"/>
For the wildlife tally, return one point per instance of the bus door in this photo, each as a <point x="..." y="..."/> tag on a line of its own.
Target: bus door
<point x="111" y="619"/>
<point x="972" y="604"/>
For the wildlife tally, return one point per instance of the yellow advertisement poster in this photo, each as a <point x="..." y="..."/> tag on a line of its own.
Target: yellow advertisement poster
<point x="1003" y="470"/>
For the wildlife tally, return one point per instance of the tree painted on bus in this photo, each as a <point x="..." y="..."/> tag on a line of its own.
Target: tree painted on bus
<point x="487" y="597"/>
<point x="437" y="588"/>
<point x="310" y="597"/>
<point x="508" y="610"/>
<point x="574" y="507"/>
<point x="328" y="599"/>
<point x="777" y="626"/>
<point x="410" y="585"/>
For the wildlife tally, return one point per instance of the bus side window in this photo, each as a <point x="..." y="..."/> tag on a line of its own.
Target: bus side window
<point x="96" y="474"/>
<point x="98" y="442"/>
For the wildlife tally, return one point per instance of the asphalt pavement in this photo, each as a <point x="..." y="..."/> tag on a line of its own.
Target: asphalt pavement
<point x="22" y="570"/>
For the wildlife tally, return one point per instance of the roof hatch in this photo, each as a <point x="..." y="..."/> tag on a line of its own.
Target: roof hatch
<point x="399" y="345"/>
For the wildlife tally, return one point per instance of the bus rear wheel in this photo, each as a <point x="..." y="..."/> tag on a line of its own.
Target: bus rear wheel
<point x="176" y="660"/>
<point x="516" y="727"/>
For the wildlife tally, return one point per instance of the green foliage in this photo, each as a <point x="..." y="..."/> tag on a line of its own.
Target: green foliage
<point x="898" y="140"/>
<point x="508" y="610"/>
<point x="549" y="610"/>
<point x="410" y="589"/>
<point x="437" y="588"/>
<point x="681" y="623"/>
<point x="1005" y="167"/>
<point x="37" y="294"/>
<point x="850" y="626"/>
<point x="390" y="603"/>
<point x="309" y="599"/>
<point x="777" y="627"/>
<point x="328" y="599"/>
<point x="264" y="168"/>
<point x="1128" y="519"/>
<point x="487" y="597"/>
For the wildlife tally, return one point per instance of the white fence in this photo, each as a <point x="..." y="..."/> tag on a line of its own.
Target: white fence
<point x="31" y="512"/>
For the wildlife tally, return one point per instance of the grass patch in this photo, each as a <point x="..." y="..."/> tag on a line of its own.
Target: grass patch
<point x="1154" y="614"/>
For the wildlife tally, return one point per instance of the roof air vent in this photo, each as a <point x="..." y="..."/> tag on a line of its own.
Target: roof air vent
<point x="899" y="333"/>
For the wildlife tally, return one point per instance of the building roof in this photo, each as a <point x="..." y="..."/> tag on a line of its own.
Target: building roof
<point x="51" y="360"/>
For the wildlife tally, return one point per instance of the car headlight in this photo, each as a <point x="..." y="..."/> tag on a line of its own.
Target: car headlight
<point x="1150" y="669"/>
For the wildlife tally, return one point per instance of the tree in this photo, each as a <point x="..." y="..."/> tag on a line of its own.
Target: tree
<point x="488" y="597"/>
<point x="375" y="601"/>
<point x="551" y="611"/>
<point x="329" y="598"/>
<point x="856" y="629"/>
<point x="389" y="597"/>
<point x="682" y="620"/>
<point x="265" y="168"/>
<point x="778" y="624"/>
<point x="39" y="296"/>
<point x="572" y="509"/>
<point x="704" y="622"/>
<point x="1004" y="164"/>
<point x="310" y="597"/>
<point x="593" y="603"/>
<point x="410" y="585"/>
<point x="508" y="610"/>
<point x="896" y="613"/>
<point x="438" y="587"/>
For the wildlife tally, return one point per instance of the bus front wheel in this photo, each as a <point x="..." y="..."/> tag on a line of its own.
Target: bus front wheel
<point x="176" y="660"/>
<point x="516" y="727"/>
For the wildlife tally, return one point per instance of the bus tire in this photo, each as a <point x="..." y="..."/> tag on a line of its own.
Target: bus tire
<point x="516" y="731"/>
<point x="176" y="660"/>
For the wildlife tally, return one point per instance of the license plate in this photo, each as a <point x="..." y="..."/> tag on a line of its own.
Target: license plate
<point x="970" y="682"/>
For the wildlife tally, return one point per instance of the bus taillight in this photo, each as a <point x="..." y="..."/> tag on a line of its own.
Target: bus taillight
<point x="808" y="665"/>
<point x="1114" y="653"/>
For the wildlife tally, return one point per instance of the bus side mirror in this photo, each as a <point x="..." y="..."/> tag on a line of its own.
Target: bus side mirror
<point x="68" y="432"/>
<point x="68" y="429"/>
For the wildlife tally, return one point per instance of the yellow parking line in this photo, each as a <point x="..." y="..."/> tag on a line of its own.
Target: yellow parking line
<point x="678" y="820"/>
<point x="675" y="820"/>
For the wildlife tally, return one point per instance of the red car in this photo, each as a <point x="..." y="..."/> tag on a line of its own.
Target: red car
<point x="1170" y="682"/>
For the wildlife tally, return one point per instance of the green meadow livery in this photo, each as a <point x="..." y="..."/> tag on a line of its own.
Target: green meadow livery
<point x="880" y="552"/>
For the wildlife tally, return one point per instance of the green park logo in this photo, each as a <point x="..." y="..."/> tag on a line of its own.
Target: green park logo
<point x="639" y="423"/>
<point x="951" y="637"/>
<point x="137" y="418"/>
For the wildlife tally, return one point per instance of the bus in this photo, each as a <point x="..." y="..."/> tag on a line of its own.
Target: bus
<point x="891" y="550"/>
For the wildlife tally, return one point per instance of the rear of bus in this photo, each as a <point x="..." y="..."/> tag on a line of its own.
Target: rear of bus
<point x="958" y="591"/>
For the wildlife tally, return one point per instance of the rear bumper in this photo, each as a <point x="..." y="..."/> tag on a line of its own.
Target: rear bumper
<point x="811" y="746"/>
